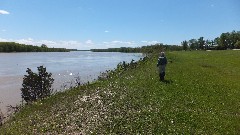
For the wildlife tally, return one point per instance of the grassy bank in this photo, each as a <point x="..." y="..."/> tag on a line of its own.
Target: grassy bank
<point x="200" y="96"/>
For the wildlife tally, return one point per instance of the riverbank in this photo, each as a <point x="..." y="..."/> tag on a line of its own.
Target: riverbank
<point x="65" y="69"/>
<point x="200" y="96"/>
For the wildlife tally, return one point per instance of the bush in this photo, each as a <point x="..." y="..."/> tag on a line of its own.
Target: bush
<point x="1" y="118"/>
<point x="237" y="45"/>
<point x="37" y="86"/>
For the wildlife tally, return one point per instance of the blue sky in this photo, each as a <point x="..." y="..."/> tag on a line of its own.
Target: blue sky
<point x="86" y="24"/>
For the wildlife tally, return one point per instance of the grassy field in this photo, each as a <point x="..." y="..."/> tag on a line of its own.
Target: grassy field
<point x="201" y="95"/>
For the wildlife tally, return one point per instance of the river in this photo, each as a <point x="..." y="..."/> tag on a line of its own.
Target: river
<point x="64" y="66"/>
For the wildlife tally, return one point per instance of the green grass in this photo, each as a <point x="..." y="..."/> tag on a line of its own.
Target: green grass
<point x="200" y="96"/>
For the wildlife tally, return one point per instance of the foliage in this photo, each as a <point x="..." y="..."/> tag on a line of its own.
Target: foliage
<point x="228" y="40"/>
<point x="185" y="45"/>
<point x="16" y="47"/>
<point x="225" y="41"/>
<point x="193" y="44"/>
<point x="201" y="42"/>
<point x="144" y="49"/>
<point x="1" y="117"/>
<point x="44" y="46"/>
<point x="37" y="86"/>
<point x="237" y="45"/>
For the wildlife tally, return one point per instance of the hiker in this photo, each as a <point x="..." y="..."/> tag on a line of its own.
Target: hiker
<point x="162" y="62"/>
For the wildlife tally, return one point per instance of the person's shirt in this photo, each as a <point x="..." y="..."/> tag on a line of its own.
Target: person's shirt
<point x="162" y="60"/>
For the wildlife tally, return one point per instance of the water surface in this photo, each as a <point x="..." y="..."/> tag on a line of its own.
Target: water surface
<point x="65" y="67"/>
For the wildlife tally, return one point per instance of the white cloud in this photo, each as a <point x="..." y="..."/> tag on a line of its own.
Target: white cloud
<point x="3" y="12"/>
<point x="149" y="42"/>
<point x="123" y="42"/>
<point x="106" y="31"/>
<point x="48" y="42"/>
<point x="89" y="42"/>
<point x="28" y="41"/>
<point x="117" y="43"/>
<point x="70" y="44"/>
<point x="3" y="40"/>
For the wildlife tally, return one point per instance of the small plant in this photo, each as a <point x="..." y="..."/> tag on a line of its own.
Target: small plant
<point x="1" y="118"/>
<point x="37" y="86"/>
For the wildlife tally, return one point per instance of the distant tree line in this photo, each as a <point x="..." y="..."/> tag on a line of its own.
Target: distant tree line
<point x="144" y="49"/>
<point x="16" y="47"/>
<point x="228" y="40"/>
<point x="121" y="49"/>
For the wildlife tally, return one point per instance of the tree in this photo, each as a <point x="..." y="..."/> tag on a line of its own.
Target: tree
<point x="237" y="45"/>
<point x="185" y="45"/>
<point x="201" y="42"/>
<point x="37" y="86"/>
<point x="208" y="43"/>
<point x="16" y="47"/>
<point x="44" y="46"/>
<point x="225" y="40"/>
<point x="234" y="38"/>
<point x="193" y="44"/>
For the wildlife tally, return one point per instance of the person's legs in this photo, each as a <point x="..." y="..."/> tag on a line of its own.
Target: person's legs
<point x="162" y="72"/>
<point x="161" y="76"/>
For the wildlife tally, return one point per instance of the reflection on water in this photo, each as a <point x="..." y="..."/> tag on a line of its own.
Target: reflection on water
<point x="65" y="67"/>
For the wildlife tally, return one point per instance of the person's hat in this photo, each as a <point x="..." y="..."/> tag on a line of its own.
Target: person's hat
<point x="162" y="53"/>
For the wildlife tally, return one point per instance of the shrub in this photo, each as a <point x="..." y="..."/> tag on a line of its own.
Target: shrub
<point x="37" y="86"/>
<point x="237" y="45"/>
<point x="1" y="117"/>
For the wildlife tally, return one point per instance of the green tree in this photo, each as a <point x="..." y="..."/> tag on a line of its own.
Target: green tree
<point x="37" y="86"/>
<point x="193" y="44"/>
<point x="237" y="45"/>
<point x="44" y="46"/>
<point x="16" y="47"/>
<point x="201" y="43"/>
<point x="208" y="43"/>
<point x="185" y="45"/>
<point x="233" y="38"/>
<point x="224" y="40"/>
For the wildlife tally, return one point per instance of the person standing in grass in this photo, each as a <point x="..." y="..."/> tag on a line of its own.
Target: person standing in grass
<point x="162" y="62"/>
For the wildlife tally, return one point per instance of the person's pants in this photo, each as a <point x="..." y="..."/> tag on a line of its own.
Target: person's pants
<point x="161" y="69"/>
<point x="162" y="75"/>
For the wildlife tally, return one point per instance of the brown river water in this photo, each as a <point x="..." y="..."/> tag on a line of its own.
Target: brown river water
<point x="64" y="66"/>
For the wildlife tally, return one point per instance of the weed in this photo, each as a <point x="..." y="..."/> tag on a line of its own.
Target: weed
<point x="200" y="96"/>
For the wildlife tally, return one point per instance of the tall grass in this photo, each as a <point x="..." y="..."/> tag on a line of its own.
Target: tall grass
<point x="200" y="96"/>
